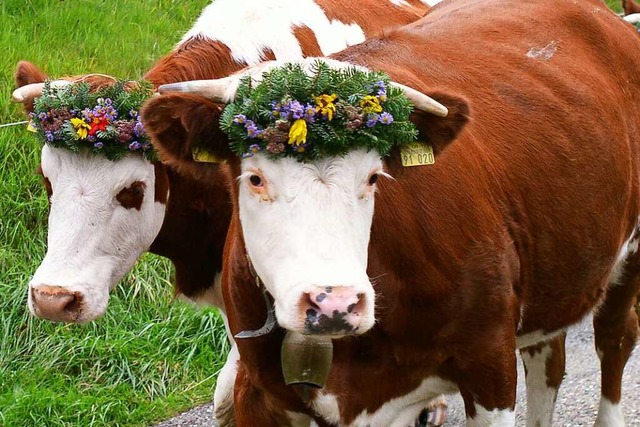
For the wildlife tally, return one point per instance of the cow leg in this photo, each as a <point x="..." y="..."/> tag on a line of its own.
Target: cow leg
<point x="544" y="366"/>
<point x="616" y="331"/>
<point x="488" y="383"/>
<point x="223" y="394"/>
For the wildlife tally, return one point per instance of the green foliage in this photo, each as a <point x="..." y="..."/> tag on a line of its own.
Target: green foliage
<point x="115" y="106"/>
<point x="150" y="356"/>
<point x="359" y="110"/>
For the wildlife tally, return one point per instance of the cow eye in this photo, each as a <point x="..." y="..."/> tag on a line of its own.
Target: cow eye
<point x="131" y="196"/>
<point x="255" y="180"/>
<point x="373" y="178"/>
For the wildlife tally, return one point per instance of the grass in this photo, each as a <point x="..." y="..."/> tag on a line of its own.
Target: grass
<point x="150" y="356"/>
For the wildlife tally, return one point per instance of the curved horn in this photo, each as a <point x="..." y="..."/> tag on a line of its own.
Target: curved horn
<point x="218" y="90"/>
<point x="423" y="102"/>
<point x="33" y="90"/>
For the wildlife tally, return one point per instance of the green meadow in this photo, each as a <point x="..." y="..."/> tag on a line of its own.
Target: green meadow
<point x="151" y="356"/>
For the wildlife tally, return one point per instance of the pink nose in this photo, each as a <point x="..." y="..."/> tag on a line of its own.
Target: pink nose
<point x="56" y="303"/>
<point x="332" y="310"/>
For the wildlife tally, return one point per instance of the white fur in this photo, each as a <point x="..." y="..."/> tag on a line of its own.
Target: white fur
<point x="629" y="247"/>
<point x="609" y="414"/>
<point x="493" y="418"/>
<point x="535" y="337"/>
<point x="251" y="27"/>
<point x="540" y="397"/>
<point x="314" y="229"/>
<point x="223" y="394"/>
<point x="632" y="18"/>
<point x="93" y="241"/>
<point x="399" y="412"/>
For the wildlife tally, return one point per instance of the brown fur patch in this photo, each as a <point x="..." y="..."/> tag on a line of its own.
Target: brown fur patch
<point x="132" y="196"/>
<point x="161" y="192"/>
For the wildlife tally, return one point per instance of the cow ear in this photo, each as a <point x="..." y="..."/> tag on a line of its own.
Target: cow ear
<point x="185" y="129"/>
<point x="435" y="131"/>
<point x="26" y="74"/>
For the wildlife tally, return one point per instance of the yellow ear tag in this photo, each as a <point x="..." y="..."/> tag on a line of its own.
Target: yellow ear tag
<point x="31" y="127"/>
<point x="202" y="156"/>
<point x="417" y="154"/>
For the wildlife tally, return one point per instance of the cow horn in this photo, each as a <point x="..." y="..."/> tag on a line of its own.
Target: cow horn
<point x="423" y="102"/>
<point x="219" y="90"/>
<point x="33" y="90"/>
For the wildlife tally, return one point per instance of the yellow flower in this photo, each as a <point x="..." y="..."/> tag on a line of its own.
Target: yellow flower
<point x="82" y="129"/>
<point x="325" y="106"/>
<point x="371" y="104"/>
<point x="298" y="132"/>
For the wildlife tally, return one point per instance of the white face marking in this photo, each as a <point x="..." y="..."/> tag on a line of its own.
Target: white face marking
<point x="307" y="227"/>
<point x="93" y="241"/>
<point x="249" y="28"/>
<point x="400" y="412"/>
<point x="609" y="414"/>
<point x="541" y="399"/>
<point x="493" y="418"/>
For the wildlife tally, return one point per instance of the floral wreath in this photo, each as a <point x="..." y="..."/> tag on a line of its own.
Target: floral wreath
<point x="105" y="122"/>
<point x="328" y="113"/>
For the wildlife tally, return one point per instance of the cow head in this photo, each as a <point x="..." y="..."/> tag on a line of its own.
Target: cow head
<point x="306" y="225"/>
<point x="103" y="215"/>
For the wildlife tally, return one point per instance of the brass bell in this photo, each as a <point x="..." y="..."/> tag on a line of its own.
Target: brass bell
<point x="306" y="359"/>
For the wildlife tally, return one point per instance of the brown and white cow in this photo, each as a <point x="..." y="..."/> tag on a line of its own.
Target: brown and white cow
<point x="174" y="215"/>
<point x="526" y="223"/>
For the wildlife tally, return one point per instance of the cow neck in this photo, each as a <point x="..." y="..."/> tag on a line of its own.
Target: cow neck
<point x="271" y="322"/>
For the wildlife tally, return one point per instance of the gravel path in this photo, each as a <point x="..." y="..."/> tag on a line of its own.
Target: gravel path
<point x="577" y="401"/>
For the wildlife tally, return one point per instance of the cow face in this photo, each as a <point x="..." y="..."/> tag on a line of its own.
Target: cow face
<point x="306" y="226"/>
<point x="103" y="215"/>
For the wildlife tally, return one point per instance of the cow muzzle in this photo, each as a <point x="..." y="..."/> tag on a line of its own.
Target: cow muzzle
<point x="56" y="303"/>
<point x="333" y="310"/>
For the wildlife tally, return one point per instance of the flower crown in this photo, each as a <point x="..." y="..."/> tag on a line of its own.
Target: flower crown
<point x="327" y="113"/>
<point x="106" y="121"/>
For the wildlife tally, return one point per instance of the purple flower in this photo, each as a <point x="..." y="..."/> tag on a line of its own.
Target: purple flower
<point x="31" y="115"/>
<point x="275" y="109"/>
<point x="296" y="109"/>
<point x="372" y="120"/>
<point x="382" y="94"/>
<point x="135" y="145"/>
<point x="386" y="118"/>
<point x="254" y="148"/>
<point x="98" y="144"/>
<point x="299" y="148"/>
<point x="49" y="136"/>
<point x="252" y="129"/>
<point x="239" y="119"/>
<point x="108" y="102"/>
<point x="42" y="116"/>
<point x="138" y="129"/>
<point x="133" y="114"/>
<point x="309" y="113"/>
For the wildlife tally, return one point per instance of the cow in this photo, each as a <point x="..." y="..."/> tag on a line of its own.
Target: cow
<point x="526" y="223"/>
<point x="630" y="6"/>
<point x="181" y="218"/>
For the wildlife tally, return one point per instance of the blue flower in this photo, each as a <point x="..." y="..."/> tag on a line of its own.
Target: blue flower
<point x="309" y="113"/>
<point x="49" y="136"/>
<point x="239" y="119"/>
<point x="297" y="110"/>
<point x="252" y="129"/>
<point x="98" y="144"/>
<point x="372" y="120"/>
<point x="42" y="116"/>
<point x="386" y="118"/>
<point x="138" y="129"/>
<point x="135" y="145"/>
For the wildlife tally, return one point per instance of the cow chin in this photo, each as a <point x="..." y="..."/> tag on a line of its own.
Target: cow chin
<point x="78" y="304"/>
<point x="330" y="311"/>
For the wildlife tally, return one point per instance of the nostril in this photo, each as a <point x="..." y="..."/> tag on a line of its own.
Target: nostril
<point x="73" y="305"/>
<point x="56" y="303"/>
